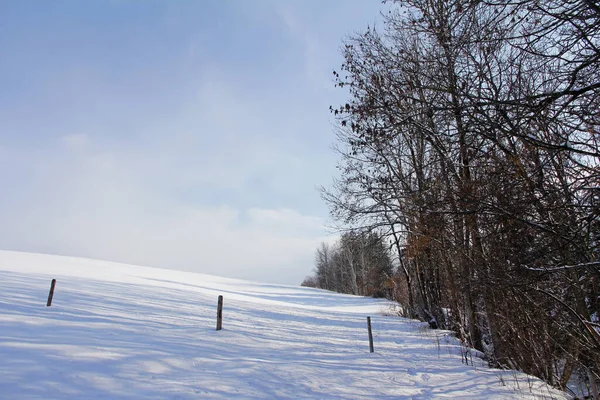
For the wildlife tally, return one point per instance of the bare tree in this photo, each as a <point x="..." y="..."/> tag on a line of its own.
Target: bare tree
<point x="470" y="139"/>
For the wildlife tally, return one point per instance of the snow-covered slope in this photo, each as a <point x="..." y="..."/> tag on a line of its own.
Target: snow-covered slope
<point x="117" y="331"/>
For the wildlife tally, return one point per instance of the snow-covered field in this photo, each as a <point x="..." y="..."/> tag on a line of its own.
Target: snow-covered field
<point x="117" y="331"/>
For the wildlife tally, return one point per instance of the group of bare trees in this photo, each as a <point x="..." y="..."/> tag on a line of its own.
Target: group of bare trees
<point x="470" y="141"/>
<point x="359" y="264"/>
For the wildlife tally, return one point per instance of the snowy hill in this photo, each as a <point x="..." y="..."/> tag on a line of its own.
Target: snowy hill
<point x="117" y="331"/>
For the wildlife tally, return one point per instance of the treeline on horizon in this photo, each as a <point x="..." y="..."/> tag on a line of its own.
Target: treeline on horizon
<point x="358" y="263"/>
<point x="469" y="147"/>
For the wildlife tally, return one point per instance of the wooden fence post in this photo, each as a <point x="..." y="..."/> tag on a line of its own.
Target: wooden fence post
<point x="220" y="313"/>
<point x="51" y="294"/>
<point x="370" y="334"/>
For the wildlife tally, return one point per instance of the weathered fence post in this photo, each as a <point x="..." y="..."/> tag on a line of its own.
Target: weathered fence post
<point x="220" y="313"/>
<point x="370" y="334"/>
<point x="51" y="294"/>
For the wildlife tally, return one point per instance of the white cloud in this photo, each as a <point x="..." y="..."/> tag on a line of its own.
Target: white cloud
<point x="103" y="205"/>
<point x="76" y="142"/>
<point x="314" y="54"/>
<point x="285" y="219"/>
<point x="209" y="240"/>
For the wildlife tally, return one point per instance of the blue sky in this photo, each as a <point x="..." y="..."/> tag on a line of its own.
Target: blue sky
<point x="178" y="134"/>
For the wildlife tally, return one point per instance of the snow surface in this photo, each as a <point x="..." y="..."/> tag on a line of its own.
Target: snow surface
<point x="117" y="331"/>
